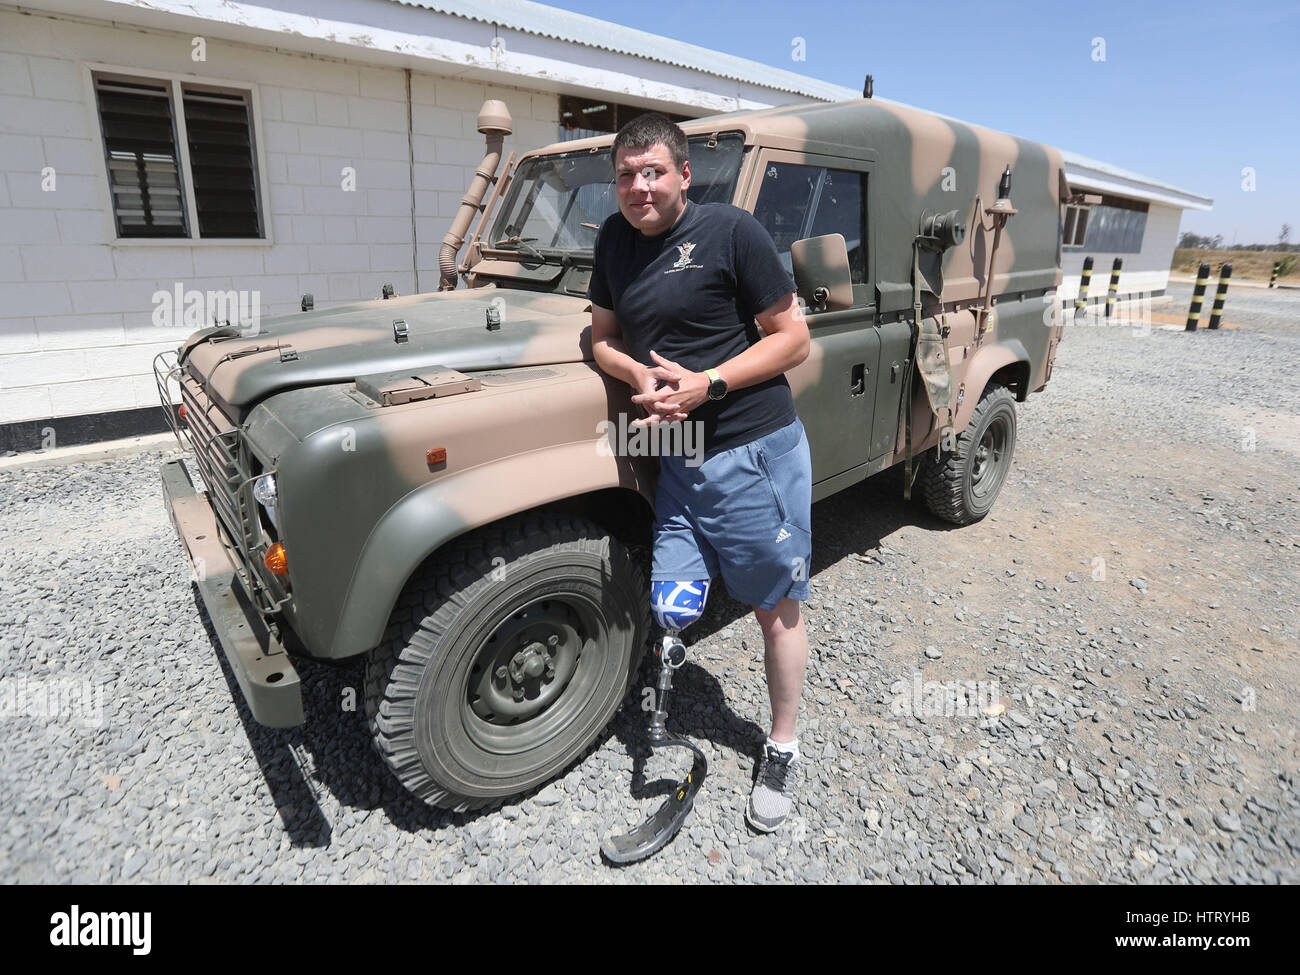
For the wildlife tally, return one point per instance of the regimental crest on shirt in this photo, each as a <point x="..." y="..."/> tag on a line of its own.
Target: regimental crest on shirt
<point x="684" y="257"/>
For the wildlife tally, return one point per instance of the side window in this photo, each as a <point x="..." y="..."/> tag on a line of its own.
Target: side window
<point x="798" y="201"/>
<point x="840" y="211"/>
<point x="784" y="202"/>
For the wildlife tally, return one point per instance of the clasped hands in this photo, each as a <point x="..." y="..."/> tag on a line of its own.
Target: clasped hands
<point x="683" y="391"/>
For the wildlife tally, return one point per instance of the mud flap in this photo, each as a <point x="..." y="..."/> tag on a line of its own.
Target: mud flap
<point x="932" y="360"/>
<point x="935" y="368"/>
<point x="931" y="355"/>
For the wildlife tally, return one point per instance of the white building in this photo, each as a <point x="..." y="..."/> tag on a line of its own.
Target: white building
<point x="1136" y="221"/>
<point x="317" y="147"/>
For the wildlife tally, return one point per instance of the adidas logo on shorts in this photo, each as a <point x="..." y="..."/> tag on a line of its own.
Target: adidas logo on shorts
<point x="782" y="535"/>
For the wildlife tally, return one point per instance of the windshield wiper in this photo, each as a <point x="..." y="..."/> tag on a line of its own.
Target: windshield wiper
<point x="522" y="245"/>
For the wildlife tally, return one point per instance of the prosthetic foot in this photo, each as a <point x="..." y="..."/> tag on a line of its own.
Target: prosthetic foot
<point x="675" y="605"/>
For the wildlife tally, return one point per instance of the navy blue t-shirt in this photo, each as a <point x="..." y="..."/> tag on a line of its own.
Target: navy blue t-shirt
<point x="691" y="294"/>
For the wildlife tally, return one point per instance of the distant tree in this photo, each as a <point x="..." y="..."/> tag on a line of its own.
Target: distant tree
<point x="1285" y="235"/>
<point x="1194" y="241"/>
<point x="1217" y="242"/>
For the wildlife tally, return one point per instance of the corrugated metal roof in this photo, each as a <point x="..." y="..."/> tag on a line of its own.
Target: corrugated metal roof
<point x="562" y="25"/>
<point x="1106" y="169"/>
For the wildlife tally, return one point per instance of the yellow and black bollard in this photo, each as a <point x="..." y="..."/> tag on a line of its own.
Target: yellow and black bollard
<point x="1081" y="302"/>
<point x="1198" y="295"/>
<point x="1217" y="311"/>
<point x="1114" y="285"/>
<point x="1272" y="281"/>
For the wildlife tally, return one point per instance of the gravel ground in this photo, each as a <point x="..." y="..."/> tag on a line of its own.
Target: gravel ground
<point x="1093" y="684"/>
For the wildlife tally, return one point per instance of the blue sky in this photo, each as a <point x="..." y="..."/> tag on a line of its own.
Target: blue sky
<point x="1188" y="93"/>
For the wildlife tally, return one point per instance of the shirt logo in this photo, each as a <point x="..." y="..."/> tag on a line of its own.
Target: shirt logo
<point x="683" y="262"/>
<point x="782" y="535"/>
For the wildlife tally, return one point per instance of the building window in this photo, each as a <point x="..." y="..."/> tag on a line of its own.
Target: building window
<point x="581" y="118"/>
<point x="1076" y="226"/>
<point x="1116" y="230"/>
<point x="1114" y="226"/>
<point x="187" y="172"/>
<point x="798" y="201"/>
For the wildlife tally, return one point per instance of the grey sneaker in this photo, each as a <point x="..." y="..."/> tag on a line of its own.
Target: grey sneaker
<point x="773" y="793"/>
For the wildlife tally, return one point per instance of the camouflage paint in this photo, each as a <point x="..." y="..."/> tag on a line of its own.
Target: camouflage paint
<point x="360" y="505"/>
<point x="510" y="446"/>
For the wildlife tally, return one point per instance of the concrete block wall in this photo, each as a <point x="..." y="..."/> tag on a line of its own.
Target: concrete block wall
<point x="76" y="329"/>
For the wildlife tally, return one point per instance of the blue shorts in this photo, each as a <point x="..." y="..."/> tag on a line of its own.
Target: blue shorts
<point x="745" y="512"/>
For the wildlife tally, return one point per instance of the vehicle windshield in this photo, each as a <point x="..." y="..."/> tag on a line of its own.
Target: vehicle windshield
<point x="556" y="203"/>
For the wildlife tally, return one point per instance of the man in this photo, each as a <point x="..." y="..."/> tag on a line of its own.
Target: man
<point x="675" y="291"/>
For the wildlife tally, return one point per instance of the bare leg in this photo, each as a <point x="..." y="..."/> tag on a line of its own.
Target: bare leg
<point x="785" y="658"/>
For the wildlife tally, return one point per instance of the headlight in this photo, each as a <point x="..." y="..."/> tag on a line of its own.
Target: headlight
<point x="265" y="493"/>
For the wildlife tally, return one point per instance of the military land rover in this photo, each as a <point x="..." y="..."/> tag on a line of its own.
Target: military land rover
<point x="421" y="479"/>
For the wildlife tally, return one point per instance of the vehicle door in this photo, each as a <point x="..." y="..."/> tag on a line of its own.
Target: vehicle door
<point x="795" y="195"/>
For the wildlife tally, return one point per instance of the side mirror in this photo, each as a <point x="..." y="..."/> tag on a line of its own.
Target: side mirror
<point x="821" y="272"/>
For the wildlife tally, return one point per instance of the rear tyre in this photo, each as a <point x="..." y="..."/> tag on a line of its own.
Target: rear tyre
<point x="506" y="658"/>
<point x="963" y="483"/>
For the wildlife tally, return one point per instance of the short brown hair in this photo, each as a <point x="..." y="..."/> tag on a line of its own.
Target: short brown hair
<point x="650" y="129"/>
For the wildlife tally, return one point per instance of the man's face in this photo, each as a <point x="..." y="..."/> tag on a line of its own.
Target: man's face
<point x="651" y="192"/>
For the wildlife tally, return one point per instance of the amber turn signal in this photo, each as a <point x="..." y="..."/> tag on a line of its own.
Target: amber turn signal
<point x="180" y="411"/>
<point x="436" y="455"/>
<point x="276" y="561"/>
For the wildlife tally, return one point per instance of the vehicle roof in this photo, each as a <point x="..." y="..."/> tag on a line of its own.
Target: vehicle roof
<point x="855" y="125"/>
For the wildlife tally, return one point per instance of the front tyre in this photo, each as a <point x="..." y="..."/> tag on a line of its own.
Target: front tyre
<point x="505" y="659"/>
<point x="963" y="483"/>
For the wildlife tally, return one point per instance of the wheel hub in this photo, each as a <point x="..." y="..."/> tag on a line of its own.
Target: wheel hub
<point x="524" y="665"/>
<point x="986" y="463"/>
<point x="530" y="663"/>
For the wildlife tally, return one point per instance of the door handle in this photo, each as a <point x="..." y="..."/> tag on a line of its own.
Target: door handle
<point x="858" y="384"/>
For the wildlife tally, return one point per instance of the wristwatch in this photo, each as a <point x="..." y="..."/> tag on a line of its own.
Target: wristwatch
<point x="717" y="385"/>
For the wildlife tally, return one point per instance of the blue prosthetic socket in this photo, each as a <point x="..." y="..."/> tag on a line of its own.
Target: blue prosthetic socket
<point x="676" y="605"/>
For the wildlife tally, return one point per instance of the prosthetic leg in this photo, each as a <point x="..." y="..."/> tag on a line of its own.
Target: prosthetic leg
<point x="676" y="605"/>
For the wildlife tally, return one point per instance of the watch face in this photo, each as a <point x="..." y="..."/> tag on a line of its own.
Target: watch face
<point x="717" y="389"/>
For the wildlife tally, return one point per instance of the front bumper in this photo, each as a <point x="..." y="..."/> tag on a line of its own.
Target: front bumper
<point x="259" y="660"/>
